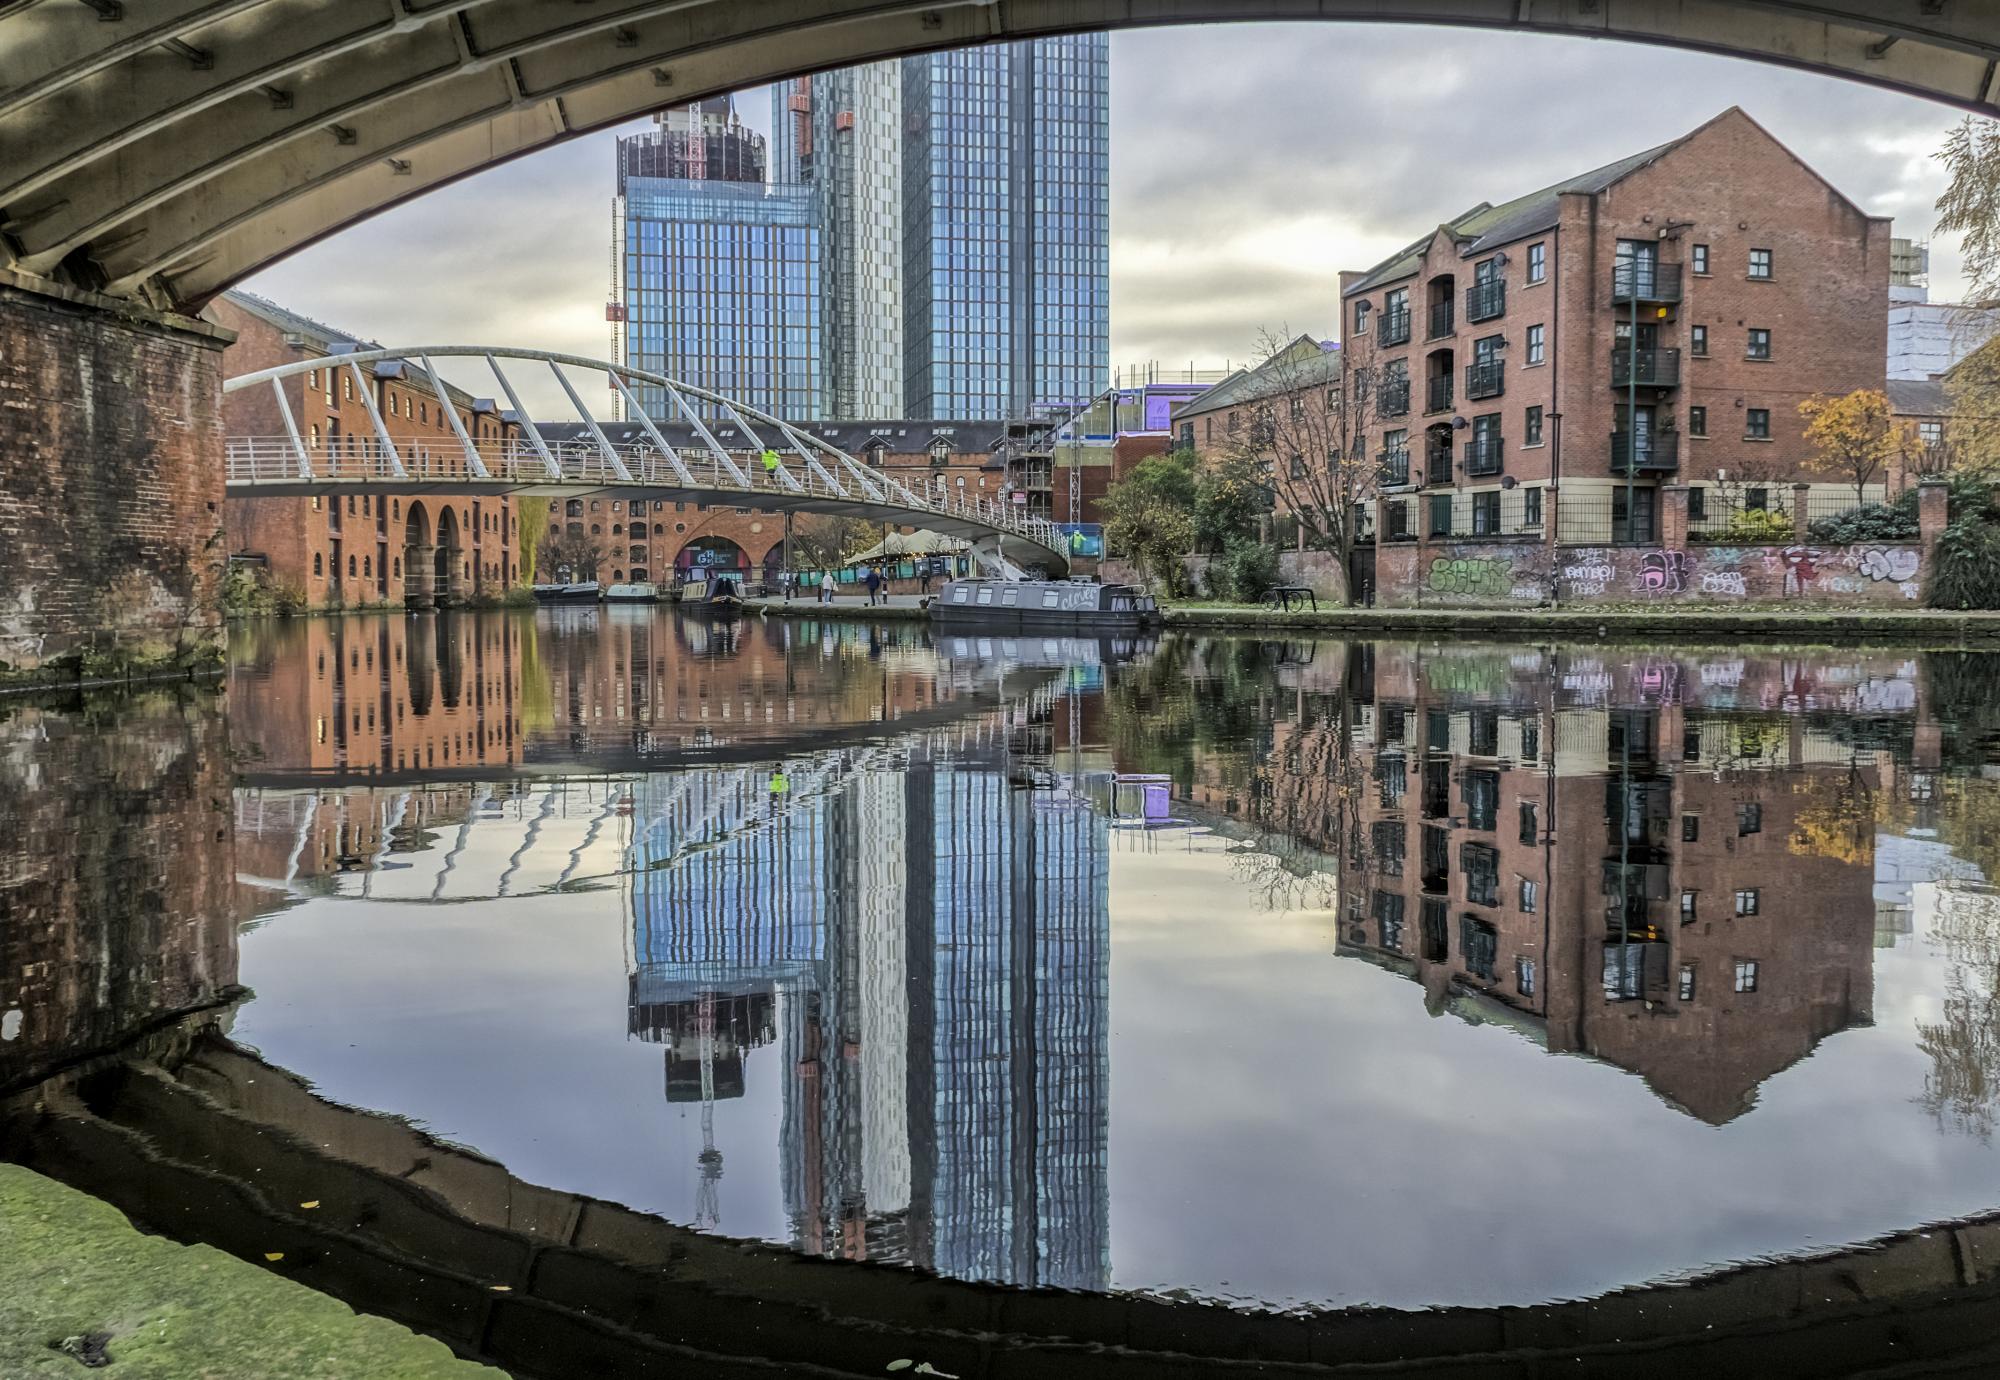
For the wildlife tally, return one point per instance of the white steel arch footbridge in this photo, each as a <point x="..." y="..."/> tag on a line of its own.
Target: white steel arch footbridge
<point x="776" y="466"/>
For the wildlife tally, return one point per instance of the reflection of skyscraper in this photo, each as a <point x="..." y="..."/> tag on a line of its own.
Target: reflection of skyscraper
<point x="934" y="943"/>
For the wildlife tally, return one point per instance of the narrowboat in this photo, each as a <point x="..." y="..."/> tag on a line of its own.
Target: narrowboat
<point x="583" y="592"/>
<point x="632" y="594"/>
<point x="1076" y="605"/>
<point x="722" y="595"/>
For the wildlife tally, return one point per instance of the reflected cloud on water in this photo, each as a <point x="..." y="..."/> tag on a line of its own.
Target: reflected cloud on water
<point x="836" y="936"/>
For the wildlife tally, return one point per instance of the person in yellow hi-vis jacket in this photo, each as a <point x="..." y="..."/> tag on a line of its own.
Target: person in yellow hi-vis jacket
<point x="771" y="466"/>
<point x="781" y="786"/>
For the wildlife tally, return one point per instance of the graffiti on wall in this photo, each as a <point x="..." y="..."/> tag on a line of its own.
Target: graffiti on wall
<point x="1663" y="572"/>
<point x="1481" y="577"/>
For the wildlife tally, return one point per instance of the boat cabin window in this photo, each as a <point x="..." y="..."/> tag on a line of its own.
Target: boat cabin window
<point x="1010" y="598"/>
<point x="958" y="595"/>
<point x="986" y="594"/>
<point x="1049" y="599"/>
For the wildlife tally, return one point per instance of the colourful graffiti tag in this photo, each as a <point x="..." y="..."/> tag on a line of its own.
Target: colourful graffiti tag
<point x="1663" y="572"/>
<point x="1483" y="576"/>
<point x="1887" y="563"/>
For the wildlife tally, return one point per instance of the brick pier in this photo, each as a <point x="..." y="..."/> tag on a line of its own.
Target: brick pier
<point x="111" y="478"/>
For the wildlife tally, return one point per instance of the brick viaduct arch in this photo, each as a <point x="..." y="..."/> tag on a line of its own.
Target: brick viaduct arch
<point x="165" y="150"/>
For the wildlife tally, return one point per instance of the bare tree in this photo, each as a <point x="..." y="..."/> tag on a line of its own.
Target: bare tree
<point x="1312" y="422"/>
<point x="569" y="552"/>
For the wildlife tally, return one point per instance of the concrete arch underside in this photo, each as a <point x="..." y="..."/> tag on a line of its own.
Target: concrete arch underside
<point x="164" y="149"/>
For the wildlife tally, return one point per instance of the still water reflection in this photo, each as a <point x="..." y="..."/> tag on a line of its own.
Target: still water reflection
<point x="1295" y="973"/>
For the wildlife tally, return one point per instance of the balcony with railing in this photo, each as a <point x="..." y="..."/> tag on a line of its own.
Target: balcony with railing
<point x="1392" y="398"/>
<point x="1437" y="393"/>
<point x="1485" y="301"/>
<point x="1485" y="380"/>
<point x="1443" y="318"/>
<point x="1656" y="452"/>
<point x="1637" y="281"/>
<point x="1646" y="368"/>
<point x="1395" y="466"/>
<point x="1437" y="455"/>
<point x="1485" y="455"/>
<point x="1393" y="327"/>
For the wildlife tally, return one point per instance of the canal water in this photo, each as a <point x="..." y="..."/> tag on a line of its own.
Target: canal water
<point x="1287" y="973"/>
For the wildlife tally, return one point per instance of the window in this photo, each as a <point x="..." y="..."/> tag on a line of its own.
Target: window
<point x="1757" y="500"/>
<point x="1536" y="345"/>
<point x="1746" y="974"/>
<point x="1386" y="836"/>
<point x="1533" y="427"/>
<point x="1482" y="799"/>
<point x="1486" y="514"/>
<point x="1699" y="258"/>
<point x="1697" y="503"/>
<point x="1389" y="919"/>
<point x="1436" y="930"/>
<point x="1482" y="873"/>
<point x="1524" y="976"/>
<point x="1690" y="828"/>
<point x="1697" y="423"/>
<point x="1698" y="340"/>
<point x="1479" y="945"/>
<point x="1760" y="344"/>
<point x="350" y="565"/>
<point x="1483" y="732"/>
<point x="318" y="568"/>
<point x="1440" y="515"/>
<point x="1530" y="894"/>
<point x="1931" y="433"/>
<point x="1531" y="732"/>
<point x="1749" y="818"/>
<point x="1687" y="982"/>
<point x="1529" y="833"/>
<point x="1760" y="263"/>
<point x="1538" y="261"/>
<point x="1746" y="901"/>
<point x="1361" y="310"/>
<point x="1757" y="424"/>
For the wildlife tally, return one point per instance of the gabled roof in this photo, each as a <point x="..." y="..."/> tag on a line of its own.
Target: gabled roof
<point x="1315" y="363"/>
<point x="1487" y="226"/>
<point x="292" y="323"/>
<point x="1918" y="398"/>
<point x="901" y="437"/>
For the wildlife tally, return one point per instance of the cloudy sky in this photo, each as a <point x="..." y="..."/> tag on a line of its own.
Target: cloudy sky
<point x="1249" y="164"/>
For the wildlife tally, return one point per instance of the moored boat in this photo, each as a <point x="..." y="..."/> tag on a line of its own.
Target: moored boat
<point x="1057" y="604"/>
<point x="641" y="593"/>
<point x="584" y="592"/>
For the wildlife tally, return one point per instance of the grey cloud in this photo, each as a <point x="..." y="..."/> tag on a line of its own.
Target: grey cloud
<point x="1353" y="137"/>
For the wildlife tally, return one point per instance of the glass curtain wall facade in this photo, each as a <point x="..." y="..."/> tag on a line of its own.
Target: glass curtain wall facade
<point x="1006" y="228"/>
<point x="856" y="167"/>
<point x="716" y="273"/>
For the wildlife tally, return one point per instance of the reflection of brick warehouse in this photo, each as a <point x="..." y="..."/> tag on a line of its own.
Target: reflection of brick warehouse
<point x="614" y="677"/>
<point x="645" y="537"/>
<point x="359" y="549"/>
<point x="382" y="695"/>
<point x="1701" y="928"/>
<point x="118" y="894"/>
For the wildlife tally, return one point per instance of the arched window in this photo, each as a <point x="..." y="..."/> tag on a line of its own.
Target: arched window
<point x="319" y="568"/>
<point x="368" y="565"/>
<point x="399" y="567"/>
<point x="350" y="565"/>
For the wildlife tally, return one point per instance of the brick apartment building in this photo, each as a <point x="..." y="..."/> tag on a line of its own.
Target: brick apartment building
<point x="1235" y="410"/>
<point x="646" y="538"/>
<point x="1663" y="315"/>
<point x="379" y="549"/>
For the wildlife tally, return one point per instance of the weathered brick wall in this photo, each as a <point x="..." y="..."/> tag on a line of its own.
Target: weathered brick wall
<point x="1496" y="574"/>
<point x="111" y="480"/>
<point x="117" y="873"/>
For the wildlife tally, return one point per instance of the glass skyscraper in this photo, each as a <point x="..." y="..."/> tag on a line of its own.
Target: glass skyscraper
<point x="717" y="272"/>
<point x="963" y="204"/>
<point x="1006" y="227"/>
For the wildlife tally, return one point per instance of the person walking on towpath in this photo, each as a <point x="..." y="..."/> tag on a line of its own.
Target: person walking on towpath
<point x="874" y="583"/>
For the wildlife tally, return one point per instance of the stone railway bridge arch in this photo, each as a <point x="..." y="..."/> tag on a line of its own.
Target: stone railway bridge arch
<point x="153" y="152"/>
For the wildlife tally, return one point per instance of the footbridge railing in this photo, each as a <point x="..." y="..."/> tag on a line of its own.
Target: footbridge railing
<point x="778" y="466"/>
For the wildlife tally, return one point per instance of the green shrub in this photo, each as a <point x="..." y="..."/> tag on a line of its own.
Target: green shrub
<point x="1895" y="521"/>
<point x="1759" y="526"/>
<point x="1965" y="572"/>
<point x="1249" y="568"/>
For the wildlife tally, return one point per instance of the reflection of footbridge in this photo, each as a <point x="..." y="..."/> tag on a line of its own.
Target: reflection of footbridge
<point x="782" y="469"/>
<point x="472" y="835"/>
